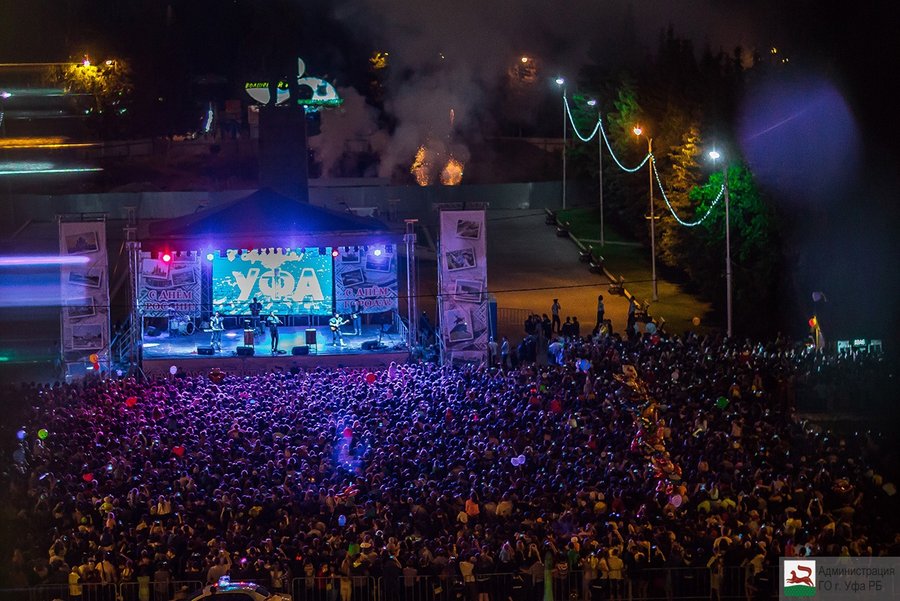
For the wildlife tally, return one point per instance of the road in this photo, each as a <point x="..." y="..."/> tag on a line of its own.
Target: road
<point x="529" y="266"/>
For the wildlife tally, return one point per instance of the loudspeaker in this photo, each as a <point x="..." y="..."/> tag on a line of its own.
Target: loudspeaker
<point x="245" y="351"/>
<point x="205" y="350"/>
<point x="370" y="345"/>
<point x="300" y="350"/>
<point x="282" y="151"/>
<point x="152" y="331"/>
<point x="311" y="336"/>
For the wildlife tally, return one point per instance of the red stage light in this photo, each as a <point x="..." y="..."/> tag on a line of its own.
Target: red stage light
<point x="166" y="257"/>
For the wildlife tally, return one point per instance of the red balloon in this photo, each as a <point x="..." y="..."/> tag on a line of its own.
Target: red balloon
<point x="96" y="367"/>
<point x="370" y="378"/>
<point x="88" y="477"/>
<point x="348" y="433"/>
<point x="179" y="451"/>
<point x="131" y="401"/>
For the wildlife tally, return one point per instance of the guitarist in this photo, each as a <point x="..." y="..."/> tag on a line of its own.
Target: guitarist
<point x="335" y="324"/>
<point x="217" y="325"/>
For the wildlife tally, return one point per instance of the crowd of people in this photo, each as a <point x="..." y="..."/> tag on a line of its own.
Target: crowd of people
<point x="528" y="470"/>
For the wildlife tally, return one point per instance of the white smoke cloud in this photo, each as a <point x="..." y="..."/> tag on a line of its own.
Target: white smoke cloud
<point x="447" y="55"/>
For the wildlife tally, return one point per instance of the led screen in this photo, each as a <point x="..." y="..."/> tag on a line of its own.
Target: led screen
<point x="298" y="283"/>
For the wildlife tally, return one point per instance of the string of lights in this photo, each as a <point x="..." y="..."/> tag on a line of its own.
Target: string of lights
<point x="598" y="130"/>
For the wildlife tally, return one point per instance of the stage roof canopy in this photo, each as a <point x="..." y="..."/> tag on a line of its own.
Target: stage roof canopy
<point x="264" y="219"/>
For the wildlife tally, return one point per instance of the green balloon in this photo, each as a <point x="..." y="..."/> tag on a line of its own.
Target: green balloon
<point x="722" y="402"/>
<point x="42" y="433"/>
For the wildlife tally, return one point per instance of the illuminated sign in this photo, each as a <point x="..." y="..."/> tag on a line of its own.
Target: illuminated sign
<point x="323" y="93"/>
<point x="289" y="283"/>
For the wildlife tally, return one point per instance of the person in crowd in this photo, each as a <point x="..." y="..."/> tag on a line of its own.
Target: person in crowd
<point x="556" y="324"/>
<point x="452" y="469"/>
<point x="601" y="312"/>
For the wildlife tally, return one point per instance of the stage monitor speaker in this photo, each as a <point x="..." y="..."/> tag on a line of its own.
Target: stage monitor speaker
<point x="300" y="350"/>
<point x="245" y="351"/>
<point x="370" y="345"/>
<point x="311" y="336"/>
<point x="205" y="350"/>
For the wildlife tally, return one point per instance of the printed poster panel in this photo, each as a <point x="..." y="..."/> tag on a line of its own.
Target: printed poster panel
<point x="464" y="302"/>
<point x="367" y="274"/>
<point x="292" y="283"/>
<point x="84" y="288"/>
<point x="169" y="289"/>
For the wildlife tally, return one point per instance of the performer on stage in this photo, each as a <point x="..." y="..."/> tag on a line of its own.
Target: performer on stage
<point x="255" y="308"/>
<point x="356" y="314"/>
<point x="273" y="322"/>
<point x="335" y="324"/>
<point x="217" y="325"/>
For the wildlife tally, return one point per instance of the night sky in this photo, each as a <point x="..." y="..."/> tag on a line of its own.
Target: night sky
<point x="828" y="134"/>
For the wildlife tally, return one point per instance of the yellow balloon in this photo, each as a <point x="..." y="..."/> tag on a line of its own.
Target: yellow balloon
<point x="696" y="321"/>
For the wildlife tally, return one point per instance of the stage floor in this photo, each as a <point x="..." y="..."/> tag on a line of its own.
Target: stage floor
<point x="183" y="346"/>
<point x="161" y="353"/>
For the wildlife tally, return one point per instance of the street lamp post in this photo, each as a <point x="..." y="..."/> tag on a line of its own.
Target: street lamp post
<point x="728" y="295"/>
<point x="638" y="131"/>
<point x="593" y="102"/>
<point x="561" y="82"/>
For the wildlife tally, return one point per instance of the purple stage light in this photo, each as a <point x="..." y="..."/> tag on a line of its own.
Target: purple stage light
<point x="33" y="260"/>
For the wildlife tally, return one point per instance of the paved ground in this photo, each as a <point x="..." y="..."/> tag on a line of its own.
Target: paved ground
<point x="529" y="266"/>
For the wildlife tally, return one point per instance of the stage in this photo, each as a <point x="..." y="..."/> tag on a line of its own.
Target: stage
<point x="375" y="348"/>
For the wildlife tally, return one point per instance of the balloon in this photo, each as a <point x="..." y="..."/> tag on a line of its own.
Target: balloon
<point x="88" y="477"/>
<point x="342" y="520"/>
<point x="721" y="402"/>
<point x="514" y="461"/>
<point x="93" y="358"/>
<point x="675" y="500"/>
<point x="348" y="432"/>
<point x="20" y="434"/>
<point x="96" y="366"/>
<point x="173" y="370"/>
<point x="43" y="434"/>
<point x="812" y="322"/>
<point x="584" y="365"/>
<point x="521" y="459"/>
<point x="817" y="296"/>
<point x="370" y="378"/>
<point x="178" y="450"/>
<point x="651" y="328"/>
<point x="131" y="401"/>
<point x="696" y="321"/>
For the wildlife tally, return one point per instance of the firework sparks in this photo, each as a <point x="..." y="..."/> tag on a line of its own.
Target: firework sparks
<point x="420" y="167"/>
<point x="452" y="173"/>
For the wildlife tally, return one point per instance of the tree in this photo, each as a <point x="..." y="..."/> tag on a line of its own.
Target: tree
<point x="108" y="84"/>
<point x="754" y="247"/>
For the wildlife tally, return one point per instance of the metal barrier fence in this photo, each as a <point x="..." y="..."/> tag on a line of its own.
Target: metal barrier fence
<point x="652" y="584"/>
<point x="336" y="587"/>
<point x="153" y="590"/>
